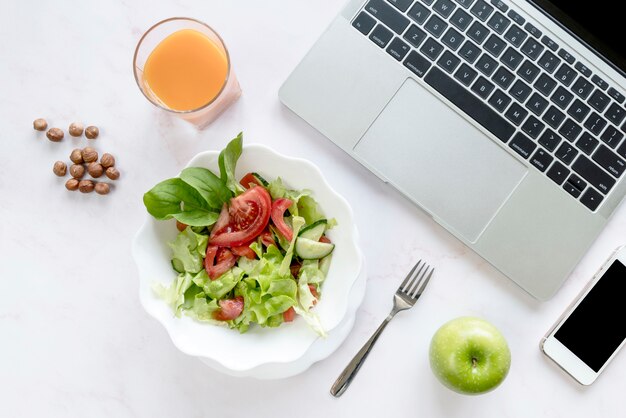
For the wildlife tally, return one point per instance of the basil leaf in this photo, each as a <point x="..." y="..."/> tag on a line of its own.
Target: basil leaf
<point x="211" y="188"/>
<point x="175" y="198"/>
<point x="197" y="217"/>
<point x="228" y="162"/>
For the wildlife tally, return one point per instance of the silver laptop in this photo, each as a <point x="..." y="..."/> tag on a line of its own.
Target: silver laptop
<point x="502" y="120"/>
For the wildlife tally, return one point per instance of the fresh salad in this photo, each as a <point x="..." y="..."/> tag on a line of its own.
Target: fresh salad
<point x="249" y="251"/>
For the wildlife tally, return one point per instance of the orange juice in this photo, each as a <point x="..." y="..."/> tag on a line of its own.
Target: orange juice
<point x="186" y="70"/>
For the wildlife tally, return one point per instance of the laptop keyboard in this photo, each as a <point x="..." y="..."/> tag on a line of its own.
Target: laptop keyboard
<point x="516" y="82"/>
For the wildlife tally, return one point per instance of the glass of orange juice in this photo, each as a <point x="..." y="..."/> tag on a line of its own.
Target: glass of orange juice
<point x="182" y="65"/>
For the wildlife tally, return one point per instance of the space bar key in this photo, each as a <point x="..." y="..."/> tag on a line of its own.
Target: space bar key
<point x="470" y="104"/>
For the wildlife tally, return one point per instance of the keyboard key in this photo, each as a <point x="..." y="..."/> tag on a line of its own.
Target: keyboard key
<point x="591" y="199"/>
<point x="516" y="17"/>
<point x="595" y="123"/>
<point x="536" y="104"/>
<point x="511" y="58"/>
<point x="533" y="127"/>
<point x="398" y="49"/>
<point x="565" y="74"/>
<point x="499" y="100"/>
<point x="500" y="5"/>
<point x="469" y="51"/>
<point x="578" y="110"/>
<point x="587" y="143"/>
<point x="582" y="87"/>
<point x="435" y="26"/>
<point x="415" y="36"/>
<point x="545" y="84"/>
<point x="470" y="104"/>
<point x="503" y="78"/>
<point x="599" y="82"/>
<point x="465" y="75"/>
<point x="570" y="130"/>
<point x="571" y="189"/>
<point x="558" y="173"/>
<point x="520" y="91"/>
<point x="381" y="36"/>
<point x="431" y="49"/>
<point x="498" y="22"/>
<point x="611" y="136"/>
<point x="465" y="3"/>
<point x="549" y="139"/>
<point x="364" y="23"/>
<point x="596" y="176"/>
<point x="452" y="39"/>
<point x="401" y="5"/>
<point x="528" y="71"/>
<point x="567" y="57"/>
<point x="494" y="45"/>
<point x="615" y="113"/>
<point x="566" y="153"/>
<point x="541" y="159"/>
<point x="478" y="32"/>
<point x="553" y="117"/>
<point x="515" y="35"/>
<point x="577" y="182"/>
<point x="460" y="19"/>
<point x="481" y="10"/>
<point x="562" y="97"/>
<point x="516" y="114"/>
<point x="388" y="15"/>
<point x="449" y="62"/>
<point x="549" y="43"/>
<point x="522" y="145"/>
<point x="419" y="13"/>
<point x="583" y="69"/>
<point x="549" y="62"/>
<point x="486" y="65"/>
<point x="482" y="87"/>
<point x="599" y="100"/>
<point x="622" y="150"/>
<point x="417" y="63"/>
<point x="533" y="30"/>
<point x="616" y="95"/>
<point x="609" y="161"/>
<point x="532" y="49"/>
<point x="444" y="7"/>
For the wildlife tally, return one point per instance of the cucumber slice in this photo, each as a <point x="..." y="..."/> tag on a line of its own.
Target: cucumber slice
<point x="260" y="179"/>
<point x="314" y="231"/>
<point x="324" y="265"/>
<point x="308" y="249"/>
<point x="178" y="265"/>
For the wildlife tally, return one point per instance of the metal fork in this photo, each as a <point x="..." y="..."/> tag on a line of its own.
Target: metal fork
<point x="407" y="294"/>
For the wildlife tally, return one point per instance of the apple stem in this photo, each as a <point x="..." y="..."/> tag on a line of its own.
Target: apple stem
<point x="474" y="362"/>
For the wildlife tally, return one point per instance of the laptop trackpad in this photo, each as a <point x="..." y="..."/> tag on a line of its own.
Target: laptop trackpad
<point x="440" y="160"/>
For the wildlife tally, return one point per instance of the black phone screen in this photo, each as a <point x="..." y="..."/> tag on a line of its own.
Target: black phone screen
<point x="597" y="326"/>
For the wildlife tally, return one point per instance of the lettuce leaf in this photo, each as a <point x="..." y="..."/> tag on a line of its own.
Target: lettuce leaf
<point x="218" y="288"/>
<point x="188" y="251"/>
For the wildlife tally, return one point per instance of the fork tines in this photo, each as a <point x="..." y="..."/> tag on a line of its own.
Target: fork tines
<point x="416" y="280"/>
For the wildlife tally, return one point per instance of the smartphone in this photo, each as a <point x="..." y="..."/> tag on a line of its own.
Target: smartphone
<point x="592" y="330"/>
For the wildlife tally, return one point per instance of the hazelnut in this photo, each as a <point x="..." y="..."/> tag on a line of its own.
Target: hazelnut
<point x="76" y="129"/>
<point x="71" y="184"/>
<point x="102" y="188"/>
<point x="91" y="132"/>
<point x="180" y="226"/>
<point x="107" y="160"/>
<point x="40" y="124"/>
<point x="112" y="173"/>
<point x="76" y="156"/>
<point x="89" y="155"/>
<point x="95" y="170"/>
<point x="77" y="171"/>
<point x="86" y="186"/>
<point x="54" y="134"/>
<point x="60" y="168"/>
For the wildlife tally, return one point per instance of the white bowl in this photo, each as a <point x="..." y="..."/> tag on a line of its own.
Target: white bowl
<point x="292" y="347"/>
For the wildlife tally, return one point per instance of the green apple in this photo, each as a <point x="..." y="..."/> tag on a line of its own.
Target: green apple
<point x="469" y="355"/>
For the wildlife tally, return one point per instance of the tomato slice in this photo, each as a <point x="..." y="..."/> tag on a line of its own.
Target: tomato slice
<point x="289" y="315"/>
<point x="181" y="226"/>
<point x="267" y="239"/>
<point x="218" y="261"/>
<point x="295" y="268"/>
<point x="278" y="217"/>
<point x="249" y="179"/>
<point x="229" y="309"/>
<point x="325" y="239"/>
<point x="249" y="214"/>
<point x="222" y="221"/>
<point x="244" y="251"/>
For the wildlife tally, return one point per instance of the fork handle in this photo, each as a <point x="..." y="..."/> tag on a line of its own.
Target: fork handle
<point x="348" y="374"/>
